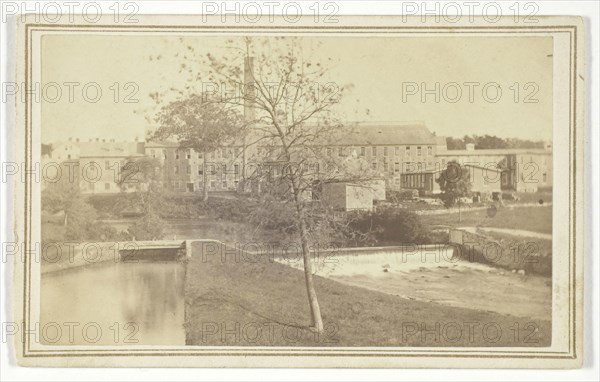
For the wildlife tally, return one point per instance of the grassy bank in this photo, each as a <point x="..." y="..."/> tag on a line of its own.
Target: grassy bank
<point x="537" y="219"/>
<point x="253" y="301"/>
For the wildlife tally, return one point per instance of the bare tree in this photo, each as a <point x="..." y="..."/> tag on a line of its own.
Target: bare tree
<point x="295" y="120"/>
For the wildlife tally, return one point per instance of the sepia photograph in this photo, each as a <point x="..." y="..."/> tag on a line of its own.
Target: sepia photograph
<point x="355" y="195"/>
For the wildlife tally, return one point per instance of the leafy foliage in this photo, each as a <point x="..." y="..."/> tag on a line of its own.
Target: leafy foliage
<point x="454" y="182"/>
<point x="389" y="225"/>
<point x="148" y="227"/>
<point x="200" y="124"/>
<point x="492" y="142"/>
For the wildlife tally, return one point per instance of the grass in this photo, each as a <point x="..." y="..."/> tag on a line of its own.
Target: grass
<point x="258" y="302"/>
<point x="536" y="219"/>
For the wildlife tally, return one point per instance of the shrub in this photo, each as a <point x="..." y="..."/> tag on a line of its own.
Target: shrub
<point x="389" y="225"/>
<point x="148" y="227"/>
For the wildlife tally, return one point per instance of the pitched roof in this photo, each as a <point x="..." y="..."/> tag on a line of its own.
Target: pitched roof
<point x="387" y="134"/>
<point x="110" y="149"/>
<point x="161" y="144"/>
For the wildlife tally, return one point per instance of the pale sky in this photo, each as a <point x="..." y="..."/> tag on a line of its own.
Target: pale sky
<point x="376" y="66"/>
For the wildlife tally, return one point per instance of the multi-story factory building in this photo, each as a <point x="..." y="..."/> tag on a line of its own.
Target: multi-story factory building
<point x="404" y="156"/>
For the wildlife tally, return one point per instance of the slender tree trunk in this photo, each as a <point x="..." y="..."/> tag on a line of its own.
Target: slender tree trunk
<point x="313" y="302"/>
<point x="315" y="309"/>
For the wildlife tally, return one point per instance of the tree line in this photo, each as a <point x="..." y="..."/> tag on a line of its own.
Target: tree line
<point x="486" y="141"/>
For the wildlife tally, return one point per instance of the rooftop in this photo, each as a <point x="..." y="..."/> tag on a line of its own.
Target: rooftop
<point x="388" y="134"/>
<point x="493" y="152"/>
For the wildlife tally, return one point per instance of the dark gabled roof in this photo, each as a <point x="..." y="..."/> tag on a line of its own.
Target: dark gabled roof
<point x="161" y="144"/>
<point x="109" y="149"/>
<point x="387" y="134"/>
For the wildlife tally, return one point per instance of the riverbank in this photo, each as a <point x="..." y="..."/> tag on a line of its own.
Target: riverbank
<point x="259" y="302"/>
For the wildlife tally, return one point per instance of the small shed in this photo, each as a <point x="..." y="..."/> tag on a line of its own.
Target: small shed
<point x="346" y="196"/>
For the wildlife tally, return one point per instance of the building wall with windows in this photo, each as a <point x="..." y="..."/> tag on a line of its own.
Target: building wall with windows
<point x="186" y="170"/>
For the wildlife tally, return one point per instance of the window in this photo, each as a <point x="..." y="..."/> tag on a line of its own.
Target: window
<point x="419" y="151"/>
<point x="153" y="153"/>
<point x="200" y="170"/>
<point x="329" y="151"/>
<point x="188" y="154"/>
<point x="165" y="154"/>
<point x="107" y="186"/>
<point x="236" y="169"/>
<point x="374" y="165"/>
<point x="341" y="152"/>
<point x="429" y="150"/>
<point x="176" y="154"/>
<point x="397" y="150"/>
<point x="385" y="166"/>
<point x="362" y="151"/>
<point x="373" y="150"/>
<point x="407" y="150"/>
<point x="199" y="155"/>
<point x="224" y="184"/>
<point x="189" y="169"/>
<point x="544" y="177"/>
<point x="385" y="151"/>
<point x="107" y="165"/>
<point x="176" y="169"/>
<point x="213" y="184"/>
<point x="397" y="167"/>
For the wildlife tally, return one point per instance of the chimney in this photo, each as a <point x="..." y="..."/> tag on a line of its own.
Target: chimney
<point x="470" y="146"/>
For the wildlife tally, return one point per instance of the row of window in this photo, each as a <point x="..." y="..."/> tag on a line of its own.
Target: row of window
<point x="212" y="185"/>
<point x="187" y="154"/>
<point x="235" y="152"/>
<point x="200" y="169"/>
<point x="387" y="150"/>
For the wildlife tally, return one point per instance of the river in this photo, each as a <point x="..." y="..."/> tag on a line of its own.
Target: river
<point x="114" y="304"/>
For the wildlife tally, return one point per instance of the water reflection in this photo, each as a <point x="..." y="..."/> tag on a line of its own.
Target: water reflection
<point x="97" y="304"/>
